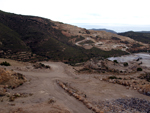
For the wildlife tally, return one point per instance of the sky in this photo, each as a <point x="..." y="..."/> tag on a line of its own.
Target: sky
<point x="118" y="15"/>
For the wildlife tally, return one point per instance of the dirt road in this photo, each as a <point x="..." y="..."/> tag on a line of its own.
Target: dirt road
<point x="42" y="84"/>
<point x="43" y="87"/>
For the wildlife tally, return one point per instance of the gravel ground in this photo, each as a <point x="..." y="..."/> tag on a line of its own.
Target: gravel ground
<point x="128" y="105"/>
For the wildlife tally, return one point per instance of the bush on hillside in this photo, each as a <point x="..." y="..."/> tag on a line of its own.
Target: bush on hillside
<point x="5" y="64"/>
<point x="145" y="76"/>
<point x="115" y="61"/>
<point x="139" y="69"/>
<point x="112" y="77"/>
<point x="125" y="64"/>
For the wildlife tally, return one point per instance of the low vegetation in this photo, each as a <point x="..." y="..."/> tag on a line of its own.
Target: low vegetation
<point x="139" y="69"/>
<point x="115" y="61"/>
<point x="80" y="38"/>
<point x="142" y="37"/>
<point x="40" y="65"/>
<point x="115" y="38"/>
<point x="125" y="42"/>
<point x="10" y="40"/>
<point x="136" y="45"/>
<point x="38" y="36"/>
<point x="87" y="42"/>
<point x="145" y="76"/>
<point x="5" y="64"/>
<point x="114" y="77"/>
<point x="125" y="64"/>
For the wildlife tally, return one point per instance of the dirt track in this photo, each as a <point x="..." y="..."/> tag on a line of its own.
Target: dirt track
<point x="42" y="84"/>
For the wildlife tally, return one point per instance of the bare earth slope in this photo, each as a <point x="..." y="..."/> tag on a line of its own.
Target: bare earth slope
<point x="99" y="39"/>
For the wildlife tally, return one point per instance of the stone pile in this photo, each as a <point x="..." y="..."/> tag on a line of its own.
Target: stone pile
<point x="125" y="105"/>
<point x="144" y="89"/>
<point x="88" y="104"/>
<point x="17" y="95"/>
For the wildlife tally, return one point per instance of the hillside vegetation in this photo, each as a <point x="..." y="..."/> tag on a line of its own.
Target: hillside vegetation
<point x="30" y="38"/>
<point x="11" y="39"/>
<point x="139" y="36"/>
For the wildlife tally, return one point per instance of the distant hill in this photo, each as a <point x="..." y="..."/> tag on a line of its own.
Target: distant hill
<point x="30" y="38"/>
<point x="107" y="30"/>
<point x="143" y="36"/>
<point x="143" y="31"/>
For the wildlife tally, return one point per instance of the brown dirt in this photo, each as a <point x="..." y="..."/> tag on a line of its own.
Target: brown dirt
<point x="43" y="86"/>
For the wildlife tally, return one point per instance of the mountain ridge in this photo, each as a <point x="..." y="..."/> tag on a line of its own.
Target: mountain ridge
<point x="107" y="30"/>
<point x="138" y="36"/>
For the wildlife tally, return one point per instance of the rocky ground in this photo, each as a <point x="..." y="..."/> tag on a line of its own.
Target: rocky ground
<point x="60" y="89"/>
<point x="123" y="105"/>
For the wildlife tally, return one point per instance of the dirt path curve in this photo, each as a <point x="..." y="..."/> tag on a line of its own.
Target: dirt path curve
<point x="88" y="38"/>
<point x="43" y="86"/>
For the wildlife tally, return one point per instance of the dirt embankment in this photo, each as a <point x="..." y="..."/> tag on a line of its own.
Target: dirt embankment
<point x="10" y="79"/>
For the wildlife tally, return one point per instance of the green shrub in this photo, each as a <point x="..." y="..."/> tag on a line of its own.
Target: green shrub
<point x="139" y="69"/>
<point x="115" y="38"/>
<point x="148" y="77"/>
<point x="125" y="64"/>
<point x="5" y="64"/>
<point x="120" y="78"/>
<point x="115" y="61"/>
<point x="145" y="76"/>
<point x="42" y="65"/>
<point x="136" y="45"/>
<point x="112" y="77"/>
<point x="86" y="42"/>
<point x="47" y="66"/>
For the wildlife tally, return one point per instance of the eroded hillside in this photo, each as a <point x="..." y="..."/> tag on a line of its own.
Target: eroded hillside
<point x="100" y="39"/>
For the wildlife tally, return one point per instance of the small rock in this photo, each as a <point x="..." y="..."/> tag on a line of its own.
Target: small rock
<point x="2" y="93"/>
<point x="148" y="93"/>
<point x="11" y="98"/>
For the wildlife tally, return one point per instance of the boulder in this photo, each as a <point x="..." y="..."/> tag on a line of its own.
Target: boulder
<point x="89" y="105"/>
<point x="85" y="101"/>
<point x="70" y="92"/>
<point x="81" y="98"/>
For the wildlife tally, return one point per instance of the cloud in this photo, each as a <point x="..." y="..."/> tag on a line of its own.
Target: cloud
<point x="112" y="12"/>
